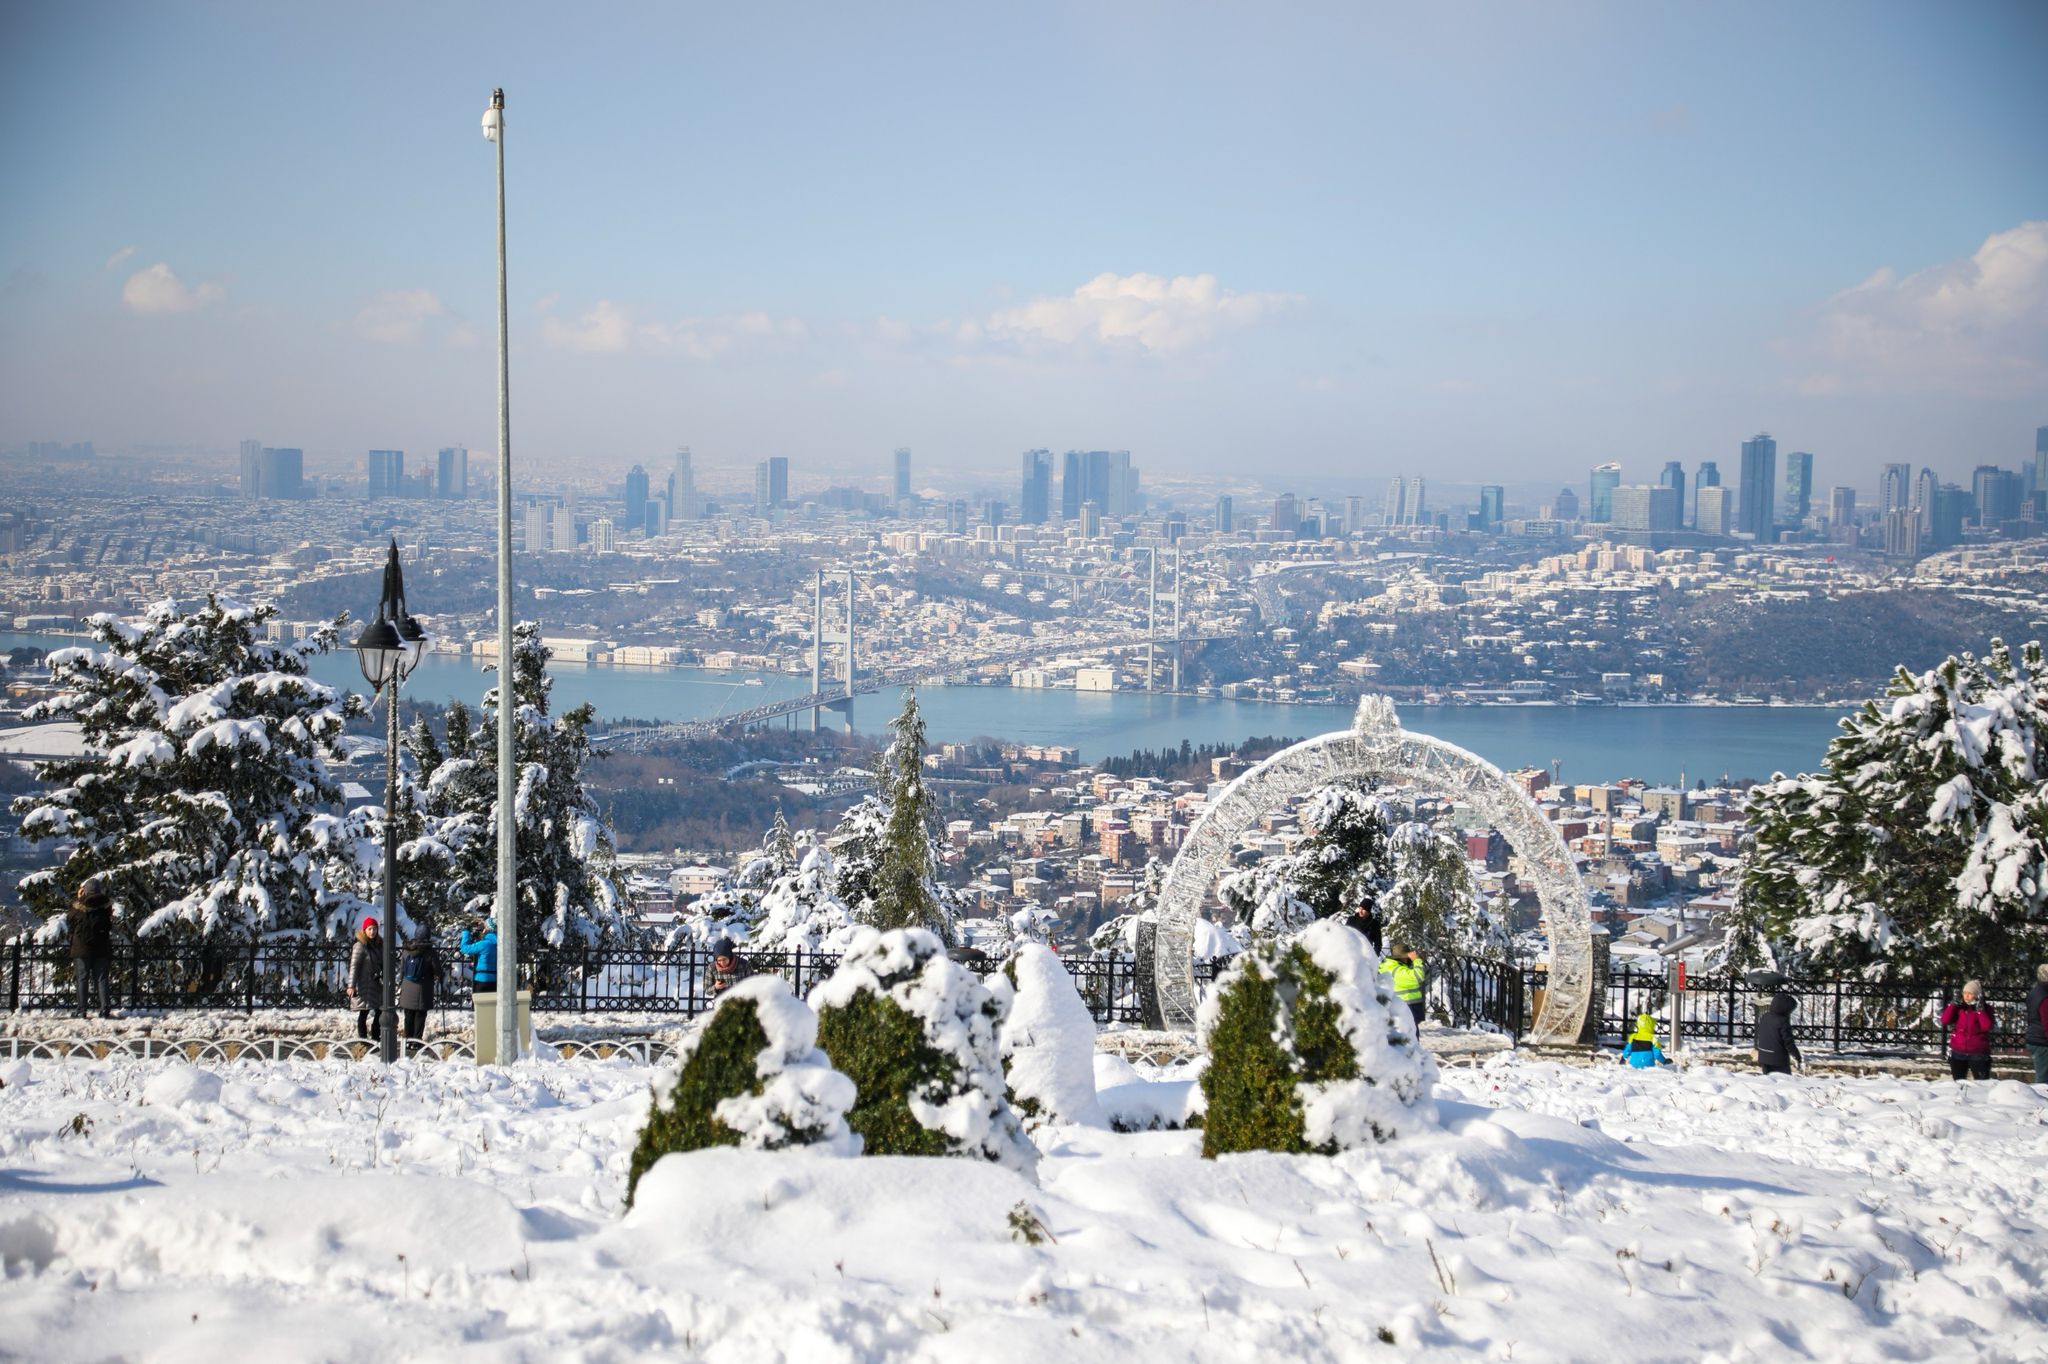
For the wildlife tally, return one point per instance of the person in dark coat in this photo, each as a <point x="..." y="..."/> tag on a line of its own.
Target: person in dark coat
<point x="91" y="921"/>
<point x="418" y="969"/>
<point x="2037" y="1024"/>
<point x="1969" y="1034"/>
<point x="728" y="968"/>
<point x="366" y="976"/>
<point x="1364" y="919"/>
<point x="1775" y="1048"/>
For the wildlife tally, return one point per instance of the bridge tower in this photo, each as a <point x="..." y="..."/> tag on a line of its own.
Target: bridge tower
<point x="843" y="703"/>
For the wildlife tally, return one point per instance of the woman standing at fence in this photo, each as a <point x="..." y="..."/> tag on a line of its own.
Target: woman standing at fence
<point x="484" y="971"/>
<point x="366" y="975"/>
<point x="416" y="972"/>
<point x="91" y="922"/>
<point x="1969" y="1037"/>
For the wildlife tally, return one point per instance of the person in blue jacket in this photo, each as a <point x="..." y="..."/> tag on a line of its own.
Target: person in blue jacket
<point x="1641" y="1049"/>
<point x="485" y="950"/>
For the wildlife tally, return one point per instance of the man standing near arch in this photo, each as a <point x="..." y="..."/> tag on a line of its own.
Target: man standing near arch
<point x="1404" y="964"/>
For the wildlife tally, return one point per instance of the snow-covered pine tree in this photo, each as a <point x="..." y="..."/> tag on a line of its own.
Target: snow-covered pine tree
<point x="907" y="891"/>
<point x="1920" y="851"/>
<point x="204" y="801"/>
<point x="799" y="912"/>
<point x="857" y="847"/>
<point x="570" y="891"/>
<point x="1344" y="857"/>
<point x="1431" y="903"/>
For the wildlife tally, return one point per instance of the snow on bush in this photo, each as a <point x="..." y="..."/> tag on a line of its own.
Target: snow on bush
<point x="918" y="1034"/>
<point x="751" y="1076"/>
<point x="800" y="912"/>
<point x="1310" y="1051"/>
<point x="1048" y="1042"/>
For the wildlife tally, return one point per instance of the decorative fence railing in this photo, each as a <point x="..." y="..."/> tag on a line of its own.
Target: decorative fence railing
<point x="1847" y="1017"/>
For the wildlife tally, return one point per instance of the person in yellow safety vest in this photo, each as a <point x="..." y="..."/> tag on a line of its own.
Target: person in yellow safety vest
<point x="1405" y="966"/>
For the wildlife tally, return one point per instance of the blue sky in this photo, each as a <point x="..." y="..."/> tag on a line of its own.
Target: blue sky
<point x="1477" y="241"/>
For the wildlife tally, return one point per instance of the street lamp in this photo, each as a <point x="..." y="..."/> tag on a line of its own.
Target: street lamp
<point x="508" y="865"/>
<point x="387" y="650"/>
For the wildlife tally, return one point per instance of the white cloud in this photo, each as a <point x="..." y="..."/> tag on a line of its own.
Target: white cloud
<point x="398" y="317"/>
<point x="1977" y="326"/>
<point x="158" y="290"/>
<point x="117" y="258"/>
<point x="608" y="327"/>
<point x="1151" y="313"/>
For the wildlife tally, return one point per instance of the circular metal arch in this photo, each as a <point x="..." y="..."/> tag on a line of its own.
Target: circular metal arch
<point x="1377" y="748"/>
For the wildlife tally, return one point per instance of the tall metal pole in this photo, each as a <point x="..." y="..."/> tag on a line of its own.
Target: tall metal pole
<point x="817" y="644"/>
<point x="1179" y="647"/>
<point x="1151" y="611"/>
<point x="508" y="779"/>
<point x="387" y="1026"/>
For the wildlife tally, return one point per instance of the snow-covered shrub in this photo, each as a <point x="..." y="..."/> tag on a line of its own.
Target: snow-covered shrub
<point x="917" y="1032"/>
<point x="1310" y="1051"/>
<point x="800" y="912"/>
<point x="751" y="1076"/>
<point x="1048" y="1042"/>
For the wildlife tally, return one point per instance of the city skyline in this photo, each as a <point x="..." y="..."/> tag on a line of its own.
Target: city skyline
<point x="825" y="273"/>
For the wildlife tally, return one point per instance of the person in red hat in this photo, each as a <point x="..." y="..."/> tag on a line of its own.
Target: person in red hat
<point x="366" y="976"/>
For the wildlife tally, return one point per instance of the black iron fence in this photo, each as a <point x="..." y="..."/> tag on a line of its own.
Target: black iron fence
<point x="1848" y="1017"/>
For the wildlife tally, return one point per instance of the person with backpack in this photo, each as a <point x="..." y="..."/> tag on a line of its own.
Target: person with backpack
<point x="1641" y="1049"/>
<point x="1776" y="1049"/>
<point x="91" y="922"/>
<point x="417" y="970"/>
<point x="2037" y="1024"/>
<point x="1969" y="1037"/>
<point x="1404" y="969"/>
<point x="484" y="977"/>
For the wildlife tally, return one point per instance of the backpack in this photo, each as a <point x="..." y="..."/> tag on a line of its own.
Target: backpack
<point x="414" y="971"/>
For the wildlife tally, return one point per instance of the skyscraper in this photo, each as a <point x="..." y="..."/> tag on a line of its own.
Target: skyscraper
<point x="562" y="539"/>
<point x="1709" y="476"/>
<point x="1286" y="514"/>
<point x="2040" y="458"/>
<point x="636" y="496"/>
<point x="1948" y="510"/>
<point x="771" y="484"/>
<point x="1841" y="507"/>
<point x="1073" y="478"/>
<point x="1713" y="507"/>
<point x="1034" y="505"/>
<point x="451" y="473"/>
<point x="1646" y="507"/>
<point x="1798" y="487"/>
<point x="536" y="520"/>
<point x="1226" y="515"/>
<point x="281" y="472"/>
<point x="682" y="488"/>
<point x="1895" y="489"/>
<point x="1674" y="477"/>
<point x="1997" y="492"/>
<point x="1566" y="505"/>
<point x="1354" y="515"/>
<point x="1600" y="503"/>
<point x="1492" y="503"/>
<point x="387" y="473"/>
<point x="902" y="474"/>
<point x="252" y="465"/>
<point x="1756" y="507"/>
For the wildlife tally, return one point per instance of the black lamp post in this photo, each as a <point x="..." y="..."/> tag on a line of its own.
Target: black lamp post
<point x="388" y="649"/>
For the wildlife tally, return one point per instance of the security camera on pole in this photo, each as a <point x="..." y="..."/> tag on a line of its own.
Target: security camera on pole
<point x="508" y="778"/>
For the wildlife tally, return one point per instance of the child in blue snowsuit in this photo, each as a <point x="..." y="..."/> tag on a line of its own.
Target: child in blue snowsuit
<point x="1641" y="1049"/>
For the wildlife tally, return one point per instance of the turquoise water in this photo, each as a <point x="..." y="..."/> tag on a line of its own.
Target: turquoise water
<point x="1592" y="743"/>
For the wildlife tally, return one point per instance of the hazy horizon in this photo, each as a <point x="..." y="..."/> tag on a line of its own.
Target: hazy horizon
<point x="1312" y="248"/>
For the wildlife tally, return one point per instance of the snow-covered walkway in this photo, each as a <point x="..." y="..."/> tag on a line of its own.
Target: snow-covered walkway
<point x="328" y="1211"/>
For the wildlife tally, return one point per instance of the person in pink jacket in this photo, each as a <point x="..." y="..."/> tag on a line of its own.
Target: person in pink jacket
<point x="1969" y="1034"/>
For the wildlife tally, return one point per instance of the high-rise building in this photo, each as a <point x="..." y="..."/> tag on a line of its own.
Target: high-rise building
<point x="536" y="520"/>
<point x="604" y="536"/>
<point x="1901" y="533"/>
<point x="281" y="472"/>
<point x="1226" y="515"/>
<point x="1674" y="477"/>
<point x="1949" y="509"/>
<point x="1103" y="477"/>
<point x="1707" y="476"/>
<point x="1895" y="489"/>
<point x="902" y="474"/>
<point x="682" y="488"/>
<point x="1798" y="501"/>
<point x="1404" y="504"/>
<point x="1714" y="506"/>
<point x="771" y="484"/>
<point x="451" y="473"/>
<point x="387" y="473"/>
<point x="1073" y="481"/>
<point x="1756" y="508"/>
<point x="1841" y="507"/>
<point x="1645" y="507"/>
<point x="1997" y="492"/>
<point x="562" y="537"/>
<point x="252" y="465"/>
<point x="2041" y="458"/>
<point x="1566" y="505"/>
<point x="1286" y="514"/>
<point x="1492" y="506"/>
<point x="636" y="496"/>
<point x="1604" y="480"/>
<point x="1091" y="520"/>
<point x="1034" y="505"/>
<point x="1354" y="515"/>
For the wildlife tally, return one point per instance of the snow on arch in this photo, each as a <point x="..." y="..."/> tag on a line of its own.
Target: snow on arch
<point x="1376" y="748"/>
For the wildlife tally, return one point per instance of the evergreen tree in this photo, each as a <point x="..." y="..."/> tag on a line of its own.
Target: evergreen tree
<point x="1431" y="903"/>
<point x="569" y="886"/>
<point x="907" y="893"/>
<point x="204" y="802"/>
<point x="1920" y="851"/>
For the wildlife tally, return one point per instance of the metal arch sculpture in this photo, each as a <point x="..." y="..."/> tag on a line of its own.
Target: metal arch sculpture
<point x="1376" y="747"/>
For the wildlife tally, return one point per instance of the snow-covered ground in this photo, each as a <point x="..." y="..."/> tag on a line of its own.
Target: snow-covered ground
<point x="330" y="1211"/>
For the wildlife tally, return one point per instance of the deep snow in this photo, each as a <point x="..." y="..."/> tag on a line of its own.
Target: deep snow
<point x="304" y="1210"/>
